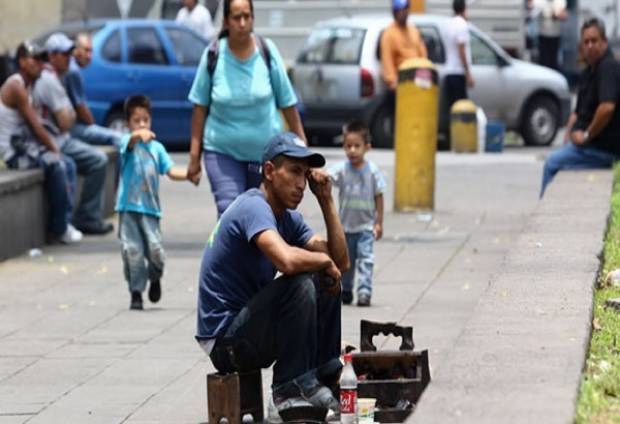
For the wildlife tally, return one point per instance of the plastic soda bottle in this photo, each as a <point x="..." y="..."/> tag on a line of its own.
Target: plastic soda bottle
<point x="348" y="392"/>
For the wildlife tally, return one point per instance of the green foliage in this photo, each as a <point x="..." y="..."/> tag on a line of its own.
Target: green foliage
<point x="599" y="397"/>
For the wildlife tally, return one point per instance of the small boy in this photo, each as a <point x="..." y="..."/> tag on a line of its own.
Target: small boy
<point x="361" y="186"/>
<point x="142" y="160"/>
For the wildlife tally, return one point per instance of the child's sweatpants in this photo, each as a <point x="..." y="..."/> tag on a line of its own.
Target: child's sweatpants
<point x="142" y="250"/>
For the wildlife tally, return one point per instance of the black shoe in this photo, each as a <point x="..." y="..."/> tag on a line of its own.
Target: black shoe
<point x="363" y="299"/>
<point x="347" y="297"/>
<point x="155" y="291"/>
<point x="136" y="301"/>
<point x="95" y="228"/>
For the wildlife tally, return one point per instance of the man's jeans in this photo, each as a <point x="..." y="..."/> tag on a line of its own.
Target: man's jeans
<point x="96" y="135"/>
<point x="91" y="163"/>
<point x="142" y="250"/>
<point x="292" y="322"/>
<point x="361" y="256"/>
<point x="570" y="156"/>
<point x="229" y="178"/>
<point x="60" y="176"/>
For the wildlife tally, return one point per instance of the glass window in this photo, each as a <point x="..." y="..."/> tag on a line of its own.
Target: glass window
<point x="144" y="47"/>
<point x="432" y="41"/>
<point x="346" y="45"/>
<point x="111" y="50"/>
<point x="481" y="52"/>
<point x="317" y="46"/>
<point x="187" y="46"/>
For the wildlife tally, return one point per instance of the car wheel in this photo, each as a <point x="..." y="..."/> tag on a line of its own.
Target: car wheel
<point x="382" y="127"/>
<point x="540" y="121"/>
<point x="116" y="121"/>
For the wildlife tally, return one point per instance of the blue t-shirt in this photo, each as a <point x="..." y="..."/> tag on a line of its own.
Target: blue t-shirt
<point x="140" y="169"/>
<point x="233" y="268"/>
<point x="357" y="189"/>
<point x="74" y="84"/>
<point x="243" y="112"/>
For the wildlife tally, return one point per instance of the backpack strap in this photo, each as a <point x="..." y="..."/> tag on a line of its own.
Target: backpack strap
<point x="214" y="51"/>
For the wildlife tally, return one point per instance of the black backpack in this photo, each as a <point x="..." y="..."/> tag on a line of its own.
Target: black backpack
<point x="213" y="53"/>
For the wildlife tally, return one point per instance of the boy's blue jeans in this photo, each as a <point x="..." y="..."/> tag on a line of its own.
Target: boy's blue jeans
<point x="289" y="321"/>
<point x="142" y="250"/>
<point x="362" y="260"/>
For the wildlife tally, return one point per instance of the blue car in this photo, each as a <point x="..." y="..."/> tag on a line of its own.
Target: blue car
<point x="157" y="58"/>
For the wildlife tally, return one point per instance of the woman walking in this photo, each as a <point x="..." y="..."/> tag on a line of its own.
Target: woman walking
<point x="239" y="88"/>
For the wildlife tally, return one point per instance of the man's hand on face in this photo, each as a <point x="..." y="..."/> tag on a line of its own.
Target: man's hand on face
<point x="320" y="184"/>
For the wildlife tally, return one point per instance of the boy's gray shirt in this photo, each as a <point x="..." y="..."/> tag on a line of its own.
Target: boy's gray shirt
<point x="357" y="190"/>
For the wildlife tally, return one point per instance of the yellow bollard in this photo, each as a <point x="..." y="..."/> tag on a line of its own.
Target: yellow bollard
<point x="463" y="127"/>
<point x="416" y="136"/>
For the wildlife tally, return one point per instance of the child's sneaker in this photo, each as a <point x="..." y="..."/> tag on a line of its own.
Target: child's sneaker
<point x="155" y="291"/>
<point x="347" y="297"/>
<point x="363" y="299"/>
<point x="136" y="301"/>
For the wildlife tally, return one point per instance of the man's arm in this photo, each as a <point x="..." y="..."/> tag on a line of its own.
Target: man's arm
<point x="421" y="46"/>
<point x="293" y="260"/>
<point x="387" y="61"/>
<point x="22" y="103"/>
<point x="463" y="57"/>
<point x="603" y="114"/>
<point x="84" y="115"/>
<point x="335" y="245"/>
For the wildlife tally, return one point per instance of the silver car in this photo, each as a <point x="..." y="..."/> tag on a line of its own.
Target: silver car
<point x="338" y="78"/>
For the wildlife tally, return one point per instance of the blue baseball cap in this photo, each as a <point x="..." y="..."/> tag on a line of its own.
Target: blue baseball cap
<point x="290" y="145"/>
<point x="400" y="4"/>
<point x="59" y="43"/>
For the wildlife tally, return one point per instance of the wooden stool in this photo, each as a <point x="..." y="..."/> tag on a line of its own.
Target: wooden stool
<point x="231" y="396"/>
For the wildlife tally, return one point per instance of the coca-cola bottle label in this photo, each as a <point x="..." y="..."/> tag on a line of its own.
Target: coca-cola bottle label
<point x="348" y="399"/>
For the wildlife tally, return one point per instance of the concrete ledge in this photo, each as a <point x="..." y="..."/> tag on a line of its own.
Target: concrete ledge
<point x="520" y="357"/>
<point x="23" y="206"/>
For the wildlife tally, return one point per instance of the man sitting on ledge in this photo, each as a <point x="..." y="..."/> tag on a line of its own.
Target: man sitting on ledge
<point x="246" y="318"/>
<point x="594" y="128"/>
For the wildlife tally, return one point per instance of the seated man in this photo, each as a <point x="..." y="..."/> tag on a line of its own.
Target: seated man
<point x="85" y="128"/>
<point x="52" y="104"/>
<point x="594" y="128"/>
<point x="25" y="144"/>
<point x="246" y="318"/>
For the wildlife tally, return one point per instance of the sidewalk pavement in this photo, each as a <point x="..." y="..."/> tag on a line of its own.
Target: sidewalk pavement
<point x="72" y="352"/>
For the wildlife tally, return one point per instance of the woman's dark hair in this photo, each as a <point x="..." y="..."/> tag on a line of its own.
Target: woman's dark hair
<point x="597" y="23"/>
<point x="134" y="102"/>
<point x="458" y="6"/>
<point x="224" y="32"/>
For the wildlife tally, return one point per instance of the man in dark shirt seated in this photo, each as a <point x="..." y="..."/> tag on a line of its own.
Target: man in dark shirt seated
<point x="594" y="128"/>
<point x="246" y="318"/>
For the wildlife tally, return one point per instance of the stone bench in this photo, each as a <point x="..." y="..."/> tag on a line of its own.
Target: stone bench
<point x="23" y="206"/>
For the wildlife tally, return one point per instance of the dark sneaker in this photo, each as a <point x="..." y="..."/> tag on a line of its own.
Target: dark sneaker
<point x="324" y="398"/>
<point x="155" y="291"/>
<point x="136" y="301"/>
<point x="95" y="228"/>
<point x="347" y="297"/>
<point x="363" y="299"/>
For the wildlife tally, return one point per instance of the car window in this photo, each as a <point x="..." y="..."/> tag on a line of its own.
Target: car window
<point x="481" y="52"/>
<point x="111" y="50"/>
<point x="432" y="41"/>
<point x="317" y="46"/>
<point x="188" y="47"/>
<point x="144" y="47"/>
<point x="346" y="46"/>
